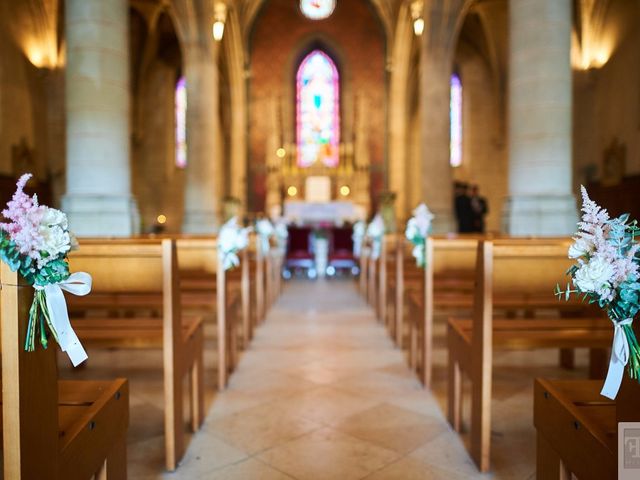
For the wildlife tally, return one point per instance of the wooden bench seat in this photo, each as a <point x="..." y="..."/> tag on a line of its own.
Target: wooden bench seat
<point x="576" y="429"/>
<point x="151" y="270"/>
<point x="513" y="275"/>
<point x="132" y="332"/>
<point x="54" y="428"/>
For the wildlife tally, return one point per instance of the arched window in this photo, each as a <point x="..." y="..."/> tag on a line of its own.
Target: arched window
<point x="317" y="9"/>
<point x="455" y="148"/>
<point x="318" y="111"/>
<point x="181" y="123"/>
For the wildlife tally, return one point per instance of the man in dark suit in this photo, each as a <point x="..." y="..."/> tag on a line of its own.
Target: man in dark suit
<point x="479" y="209"/>
<point x="462" y="204"/>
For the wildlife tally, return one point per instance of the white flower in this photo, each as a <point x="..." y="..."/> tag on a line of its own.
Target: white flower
<point x="53" y="217"/>
<point x="231" y="239"/>
<point x="594" y="275"/>
<point x="54" y="240"/>
<point x="264" y="227"/>
<point x="423" y="218"/>
<point x="418" y="254"/>
<point x="376" y="227"/>
<point x="281" y="230"/>
<point x="412" y="230"/>
<point x="580" y="248"/>
<point x="359" y="229"/>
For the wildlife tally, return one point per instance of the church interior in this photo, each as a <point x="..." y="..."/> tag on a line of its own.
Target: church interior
<point x="319" y="239"/>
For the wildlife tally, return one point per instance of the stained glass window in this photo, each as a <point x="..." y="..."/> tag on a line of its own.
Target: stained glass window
<point x="181" y="123"/>
<point x="318" y="111"/>
<point x="455" y="146"/>
<point x="317" y="9"/>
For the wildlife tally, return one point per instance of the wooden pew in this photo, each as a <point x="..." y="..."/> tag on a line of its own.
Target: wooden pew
<point x="146" y="272"/>
<point x="448" y="286"/>
<point x="54" y="429"/>
<point x="363" y="263"/>
<point x="199" y="279"/>
<point x="398" y="273"/>
<point x="207" y="288"/>
<point x="511" y="275"/>
<point x="577" y="428"/>
<point x="445" y="283"/>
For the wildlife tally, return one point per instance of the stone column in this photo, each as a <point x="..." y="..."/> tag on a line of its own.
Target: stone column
<point x="436" y="176"/>
<point x="203" y="174"/>
<point x="540" y="132"/>
<point x="98" y="198"/>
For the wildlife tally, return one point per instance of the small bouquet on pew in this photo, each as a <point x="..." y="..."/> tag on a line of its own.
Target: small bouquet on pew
<point x="265" y="230"/>
<point x="232" y="238"/>
<point x="282" y="232"/>
<point x="35" y="242"/>
<point x="606" y="273"/>
<point x="417" y="230"/>
<point x="375" y="232"/>
<point x="359" y="229"/>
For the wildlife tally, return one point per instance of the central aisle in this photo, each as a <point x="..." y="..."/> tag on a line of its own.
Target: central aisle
<point x="322" y="393"/>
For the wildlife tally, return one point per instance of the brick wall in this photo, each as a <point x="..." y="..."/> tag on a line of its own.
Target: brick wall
<point x="281" y="36"/>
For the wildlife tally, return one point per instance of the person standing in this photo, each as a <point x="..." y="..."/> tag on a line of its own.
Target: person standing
<point x="462" y="203"/>
<point x="479" y="209"/>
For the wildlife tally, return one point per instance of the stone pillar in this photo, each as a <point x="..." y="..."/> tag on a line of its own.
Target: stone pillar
<point x="98" y="200"/>
<point x="203" y="182"/>
<point x="436" y="176"/>
<point x="540" y="132"/>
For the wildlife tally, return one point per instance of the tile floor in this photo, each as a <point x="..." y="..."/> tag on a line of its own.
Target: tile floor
<point x="322" y="393"/>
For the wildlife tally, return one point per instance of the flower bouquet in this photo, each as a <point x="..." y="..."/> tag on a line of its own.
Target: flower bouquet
<point x="375" y="232"/>
<point x="358" y="235"/>
<point x="35" y="242"/>
<point x="606" y="273"/>
<point x="418" y="228"/>
<point x="265" y="231"/>
<point x="282" y="233"/>
<point x="231" y="239"/>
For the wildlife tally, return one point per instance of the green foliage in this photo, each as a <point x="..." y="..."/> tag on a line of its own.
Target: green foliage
<point x="53" y="272"/>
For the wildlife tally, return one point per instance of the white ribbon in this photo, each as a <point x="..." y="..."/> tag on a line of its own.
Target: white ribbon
<point x="376" y="246"/>
<point x="619" y="359"/>
<point x="78" y="283"/>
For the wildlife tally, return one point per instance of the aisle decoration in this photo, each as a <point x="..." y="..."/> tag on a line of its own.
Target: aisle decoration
<point x="375" y="232"/>
<point x="417" y="230"/>
<point x="232" y="238"/>
<point x="606" y="273"/>
<point x="265" y="231"/>
<point x="35" y="242"/>
<point x="359" y="229"/>
<point x="282" y="233"/>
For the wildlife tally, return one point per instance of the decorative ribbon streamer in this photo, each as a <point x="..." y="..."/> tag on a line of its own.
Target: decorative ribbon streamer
<point x="376" y="246"/>
<point x="78" y="283"/>
<point x="619" y="360"/>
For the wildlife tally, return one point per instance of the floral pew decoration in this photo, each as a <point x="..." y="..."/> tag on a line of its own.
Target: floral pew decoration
<point x="232" y="238"/>
<point x="265" y="230"/>
<point x="606" y="273"/>
<point x="359" y="229"/>
<point x="281" y="233"/>
<point x="418" y="228"/>
<point x="375" y="232"/>
<point x="35" y="242"/>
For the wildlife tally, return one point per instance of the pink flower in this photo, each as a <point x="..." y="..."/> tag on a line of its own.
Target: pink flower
<point x="25" y="215"/>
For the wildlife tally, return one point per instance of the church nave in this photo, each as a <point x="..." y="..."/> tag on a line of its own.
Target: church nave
<point x="322" y="393"/>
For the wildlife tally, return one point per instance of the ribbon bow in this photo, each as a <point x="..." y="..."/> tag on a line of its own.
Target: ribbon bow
<point x="78" y="283"/>
<point x="619" y="359"/>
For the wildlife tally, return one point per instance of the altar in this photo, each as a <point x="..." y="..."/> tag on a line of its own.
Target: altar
<point x="319" y="213"/>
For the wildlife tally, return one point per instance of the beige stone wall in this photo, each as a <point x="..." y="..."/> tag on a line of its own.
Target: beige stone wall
<point x="607" y="99"/>
<point x="484" y="155"/>
<point x="22" y="106"/>
<point x="157" y="183"/>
